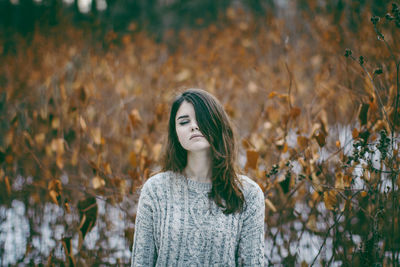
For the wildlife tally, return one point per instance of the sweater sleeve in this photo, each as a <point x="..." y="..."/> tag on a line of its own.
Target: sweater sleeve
<point x="144" y="250"/>
<point x="251" y="241"/>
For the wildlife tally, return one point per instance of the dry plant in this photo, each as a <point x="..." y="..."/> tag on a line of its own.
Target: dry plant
<point x="83" y="121"/>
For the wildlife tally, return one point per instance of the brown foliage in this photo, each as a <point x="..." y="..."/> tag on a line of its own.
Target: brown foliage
<point x="86" y="122"/>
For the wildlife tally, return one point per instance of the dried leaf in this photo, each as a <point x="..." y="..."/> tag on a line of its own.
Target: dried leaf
<point x="96" y="134"/>
<point x="57" y="145"/>
<point x="120" y="184"/>
<point x="39" y="139"/>
<point x="302" y="141"/>
<point x="8" y="186"/>
<point x="55" y="123"/>
<point x="280" y="143"/>
<point x="88" y="214"/>
<point x="330" y="199"/>
<point x="53" y="195"/>
<point x="252" y="87"/>
<point x="272" y="94"/>
<point x="355" y="133"/>
<point x="82" y="123"/>
<point x="157" y="151"/>
<point x="339" y="183"/>
<point x="67" y="244"/>
<point x="98" y="182"/>
<point x="9" y="138"/>
<point x="9" y="159"/>
<point x="312" y="223"/>
<point x="74" y="157"/>
<point x="295" y="112"/>
<point x="183" y="75"/>
<point x="135" y="118"/>
<point x="67" y="207"/>
<point x="133" y="159"/>
<point x="285" y="148"/>
<point x="161" y="110"/>
<point x="347" y="205"/>
<point x="55" y="185"/>
<point x="252" y="159"/>
<point x="270" y="205"/>
<point x="107" y="168"/>
<point x="274" y="115"/>
<point x="363" y="113"/>
<point x="320" y="137"/>
<point x="60" y="161"/>
<point x="337" y="144"/>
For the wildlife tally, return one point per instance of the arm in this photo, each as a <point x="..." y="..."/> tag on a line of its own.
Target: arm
<point x="251" y="241"/>
<point x="144" y="250"/>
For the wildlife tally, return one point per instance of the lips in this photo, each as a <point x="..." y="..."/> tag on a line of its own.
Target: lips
<point x="195" y="135"/>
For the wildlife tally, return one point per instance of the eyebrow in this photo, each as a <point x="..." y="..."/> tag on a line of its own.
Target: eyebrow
<point x="183" y="117"/>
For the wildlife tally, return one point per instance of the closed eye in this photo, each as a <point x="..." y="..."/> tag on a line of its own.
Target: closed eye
<point x="184" y="122"/>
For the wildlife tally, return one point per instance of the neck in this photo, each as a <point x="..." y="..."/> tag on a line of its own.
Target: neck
<point x="198" y="166"/>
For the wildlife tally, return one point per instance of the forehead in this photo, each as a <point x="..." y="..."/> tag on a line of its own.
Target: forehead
<point x="186" y="108"/>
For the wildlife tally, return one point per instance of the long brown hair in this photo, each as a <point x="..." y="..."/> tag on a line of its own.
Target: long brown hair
<point x="214" y="124"/>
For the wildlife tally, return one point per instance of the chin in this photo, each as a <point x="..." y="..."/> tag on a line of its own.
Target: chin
<point x="198" y="148"/>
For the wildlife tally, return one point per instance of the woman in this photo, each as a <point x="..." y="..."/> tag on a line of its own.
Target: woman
<point x="199" y="211"/>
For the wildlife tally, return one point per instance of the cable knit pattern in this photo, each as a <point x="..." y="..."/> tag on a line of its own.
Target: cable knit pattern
<point x="177" y="225"/>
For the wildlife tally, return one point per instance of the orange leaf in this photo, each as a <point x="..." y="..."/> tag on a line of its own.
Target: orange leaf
<point x="342" y="181"/>
<point x="135" y="118"/>
<point x="55" y="185"/>
<point x="272" y="94"/>
<point x="60" y="161"/>
<point x="338" y="145"/>
<point x="161" y="109"/>
<point x="53" y="195"/>
<point x="67" y="207"/>
<point x="302" y="141"/>
<point x="252" y="159"/>
<point x="133" y="159"/>
<point x="330" y="199"/>
<point x="355" y="133"/>
<point x="9" y="159"/>
<point x="107" y="168"/>
<point x="246" y="143"/>
<point x="295" y="112"/>
<point x="364" y="194"/>
<point x="8" y="187"/>
<point x="39" y="139"/>
<point x="285" y="148"/>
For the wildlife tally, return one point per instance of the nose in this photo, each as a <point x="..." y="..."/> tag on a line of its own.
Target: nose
<point x="194" y="126"/>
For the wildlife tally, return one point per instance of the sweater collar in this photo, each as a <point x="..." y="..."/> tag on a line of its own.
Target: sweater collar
<point x="192" y="184"/>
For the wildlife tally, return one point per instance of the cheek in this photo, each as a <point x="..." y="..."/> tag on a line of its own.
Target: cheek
<point x="180" y="132"/>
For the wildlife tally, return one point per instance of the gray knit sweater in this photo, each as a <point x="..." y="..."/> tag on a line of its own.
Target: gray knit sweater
<point x="177" y="225"/>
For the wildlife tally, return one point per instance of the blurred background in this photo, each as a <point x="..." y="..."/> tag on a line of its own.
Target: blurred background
<point x="312" y="88"/>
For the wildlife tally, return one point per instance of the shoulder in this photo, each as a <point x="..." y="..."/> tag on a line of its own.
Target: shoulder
<point x="251" y="190"/>
<point x="249" y="186"/>
<point x="158" y="181"/>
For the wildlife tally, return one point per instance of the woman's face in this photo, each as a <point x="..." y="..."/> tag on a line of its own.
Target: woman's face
<point x="187" y="129"/>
